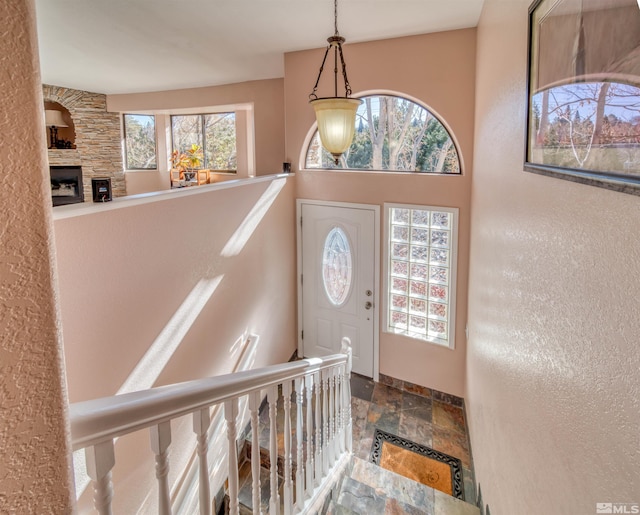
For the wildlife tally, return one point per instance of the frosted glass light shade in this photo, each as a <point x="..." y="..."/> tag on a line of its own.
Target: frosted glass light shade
<point x="336" y="123"/>
<point x="54" y="118"/>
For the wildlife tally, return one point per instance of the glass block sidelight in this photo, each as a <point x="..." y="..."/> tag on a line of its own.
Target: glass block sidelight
<point x="400" y="268"/>
<point x="421" y="272"/>
<point x="400" y="233"/>
<point x="337" y="264"/>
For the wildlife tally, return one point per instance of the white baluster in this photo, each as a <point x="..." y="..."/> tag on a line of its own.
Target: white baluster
<point x="338" y="418"/>
<point x="339" y="441"/>
<point x="343" y="409"/>
<point x="346" y="349"/>
<point x="230" y="415"/>
<point x="299" y="388"/>
<point x="308" y="382"/>
<point x="325" y="422"/>
<point x="274" y="501"/>
<point x="100" y="460"/>
<point x="332" y="417"/>
<point x="318" y="442"/>
<point x="254" y="407"/>
<point x="201" y="421"/>
<point x="160" y="441"/>
<point x="288" y="484"/>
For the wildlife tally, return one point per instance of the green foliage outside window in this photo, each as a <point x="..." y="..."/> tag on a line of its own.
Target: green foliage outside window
<point x="396" y="134"/>
<point x="214" y="133"/>
<point x="140" y="141"/>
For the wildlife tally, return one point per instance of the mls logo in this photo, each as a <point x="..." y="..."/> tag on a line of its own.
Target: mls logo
<point x="617" y="507"/>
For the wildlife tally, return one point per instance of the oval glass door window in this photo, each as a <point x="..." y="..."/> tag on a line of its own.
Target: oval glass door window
<point x="336" y="266"/>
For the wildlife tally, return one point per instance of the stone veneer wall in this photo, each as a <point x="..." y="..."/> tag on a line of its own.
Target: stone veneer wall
<point x="98" y="149"/>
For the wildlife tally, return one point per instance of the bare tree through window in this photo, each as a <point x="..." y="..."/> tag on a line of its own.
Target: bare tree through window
<point x="393" y="133"/>
<point x="215" y="133"/>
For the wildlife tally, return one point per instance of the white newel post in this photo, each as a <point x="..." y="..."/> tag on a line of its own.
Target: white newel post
<point x="325" y="422"/>
<point x="100" y="460"/>
<point x="346" y="349"/>
<point x="254" y="407"/>
<point x="274" y="501"/>
<point x="332" y="417"/>
<point x="201" y="421"/>
<point x="160" y="440"/>
<point x="299" y="388"/>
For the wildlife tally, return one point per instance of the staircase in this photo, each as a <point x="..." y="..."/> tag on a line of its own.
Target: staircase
<point x="314" y="393"/>
<point x="297" y="457"/>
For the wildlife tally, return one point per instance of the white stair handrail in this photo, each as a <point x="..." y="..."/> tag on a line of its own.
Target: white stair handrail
<point x="97" y="420"/>
<point x="96" y="424"/>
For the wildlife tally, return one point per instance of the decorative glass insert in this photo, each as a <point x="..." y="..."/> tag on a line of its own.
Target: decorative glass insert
<point x="337" y="266"/>
<point x="421" y="272"/>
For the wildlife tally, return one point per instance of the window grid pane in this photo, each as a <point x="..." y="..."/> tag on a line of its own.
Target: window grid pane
<point x="419" y="272"/>
<point x="215" y="134"/>
<point x="140" y="141"/>
<point x="186" y="130"/>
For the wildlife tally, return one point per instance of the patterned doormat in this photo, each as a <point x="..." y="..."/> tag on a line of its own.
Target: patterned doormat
<point x="418" y="462"/>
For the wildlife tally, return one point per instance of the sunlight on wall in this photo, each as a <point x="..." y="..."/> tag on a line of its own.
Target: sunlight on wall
<point x="160" y="351"/>
<point x="239" y="238"/>
<point x="185" y="492"/>
<point x="156" y="358"/>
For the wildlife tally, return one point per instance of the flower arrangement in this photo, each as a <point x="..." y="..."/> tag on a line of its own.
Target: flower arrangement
<point x="185" y="161"/>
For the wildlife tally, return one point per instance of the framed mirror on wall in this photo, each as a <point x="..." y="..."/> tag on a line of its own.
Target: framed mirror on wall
<point x="583" y="98"/>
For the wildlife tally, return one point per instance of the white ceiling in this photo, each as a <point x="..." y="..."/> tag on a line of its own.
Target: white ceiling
<point x="125" y="46"/>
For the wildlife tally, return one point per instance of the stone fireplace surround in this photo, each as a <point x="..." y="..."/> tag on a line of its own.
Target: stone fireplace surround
<point x="98" y="148"/>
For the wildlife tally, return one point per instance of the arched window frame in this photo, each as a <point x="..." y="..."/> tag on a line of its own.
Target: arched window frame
<point x="302" y="163"/>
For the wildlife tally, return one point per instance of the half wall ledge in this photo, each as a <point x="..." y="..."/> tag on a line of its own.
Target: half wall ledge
<point x="89" y="208"/>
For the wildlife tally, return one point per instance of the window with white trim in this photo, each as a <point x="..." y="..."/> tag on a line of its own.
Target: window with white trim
<point x="214" y="133"/>
<point x="421" y="261"/>
<point x="140" y="141"/>
<point x="392" y="133"/>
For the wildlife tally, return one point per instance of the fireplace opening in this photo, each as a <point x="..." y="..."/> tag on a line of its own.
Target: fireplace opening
<point x="66" y="185"/>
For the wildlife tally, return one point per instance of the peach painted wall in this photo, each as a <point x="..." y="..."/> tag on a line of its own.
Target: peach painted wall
<point x="143" y="181"/>
<point x="124" y="273"/>
<point x="439" y="70"/>
<point x="34" y="437"/>
<point x="265" y="95"/>
<point x="159" y="292"/>
<point x="553" y="363"/>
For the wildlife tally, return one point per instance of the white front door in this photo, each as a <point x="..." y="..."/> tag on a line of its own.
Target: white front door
<point x="338" y="281"/>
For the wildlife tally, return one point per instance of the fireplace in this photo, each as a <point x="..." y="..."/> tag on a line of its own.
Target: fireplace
<point x="66" y="185"/>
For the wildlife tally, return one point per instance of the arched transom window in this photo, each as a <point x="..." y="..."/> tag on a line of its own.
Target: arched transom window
<point x="395" y="134"/>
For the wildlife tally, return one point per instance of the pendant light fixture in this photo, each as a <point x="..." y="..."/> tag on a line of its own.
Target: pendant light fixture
<point x="336" y="115"/>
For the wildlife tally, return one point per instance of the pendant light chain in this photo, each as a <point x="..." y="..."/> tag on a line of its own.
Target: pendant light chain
<point x="335" y="115"/>
<point x="334" y="41"/>
<point x="347" y="86"/>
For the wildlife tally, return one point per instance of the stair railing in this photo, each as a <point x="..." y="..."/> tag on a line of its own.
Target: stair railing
<point x="323" y="382"/>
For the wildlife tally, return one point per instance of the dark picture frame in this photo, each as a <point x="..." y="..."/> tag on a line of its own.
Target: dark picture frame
<point x="583" y="92"/>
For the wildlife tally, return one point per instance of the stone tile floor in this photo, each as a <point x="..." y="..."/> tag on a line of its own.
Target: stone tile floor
<point x="369" y="489"/>
<point x="424" y="416"/>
